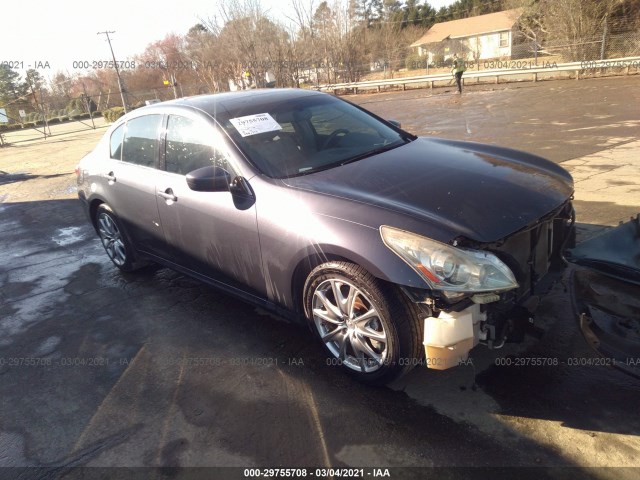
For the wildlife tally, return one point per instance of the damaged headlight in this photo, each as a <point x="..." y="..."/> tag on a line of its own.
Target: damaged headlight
<point x="449" y="268"/>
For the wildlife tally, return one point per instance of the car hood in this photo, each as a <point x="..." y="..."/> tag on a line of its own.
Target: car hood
<point x="482" y="192"/>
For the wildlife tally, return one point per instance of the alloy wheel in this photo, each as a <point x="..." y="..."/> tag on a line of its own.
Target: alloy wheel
<point x="349" y="325"/>
<point x="111" y="239"/>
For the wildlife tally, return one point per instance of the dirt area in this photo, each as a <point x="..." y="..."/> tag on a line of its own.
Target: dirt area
<point x="44" y="169"/>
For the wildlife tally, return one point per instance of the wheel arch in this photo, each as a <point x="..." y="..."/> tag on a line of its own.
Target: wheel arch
<point x="302" y="271"/>
<point x="93" y="210"/>
<point x="136" y="257"/>
<point x="391" y="269"/>
<point x="395" y="312"/>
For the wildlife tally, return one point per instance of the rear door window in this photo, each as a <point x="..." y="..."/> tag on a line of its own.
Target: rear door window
<point x="140" y="144"/>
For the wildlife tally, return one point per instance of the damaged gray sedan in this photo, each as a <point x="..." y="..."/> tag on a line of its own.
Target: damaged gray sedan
<point x="394" y="249"/>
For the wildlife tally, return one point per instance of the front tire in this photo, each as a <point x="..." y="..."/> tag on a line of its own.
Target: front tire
<point x="368" y="327"/>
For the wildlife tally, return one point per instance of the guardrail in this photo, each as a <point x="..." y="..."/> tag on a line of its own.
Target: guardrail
<point x="627" y="63"/>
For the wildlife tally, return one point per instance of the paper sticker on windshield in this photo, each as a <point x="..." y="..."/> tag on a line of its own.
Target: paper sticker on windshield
<point x="254" y="124"/>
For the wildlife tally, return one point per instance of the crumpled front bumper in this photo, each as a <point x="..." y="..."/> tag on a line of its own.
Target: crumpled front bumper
<point x="604" y="288"/>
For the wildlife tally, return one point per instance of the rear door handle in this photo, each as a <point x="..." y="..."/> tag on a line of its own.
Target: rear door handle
<point x="168" y="195"/>
<point x="111" y="178"/>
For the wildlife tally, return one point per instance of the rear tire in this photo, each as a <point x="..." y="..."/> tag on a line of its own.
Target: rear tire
<point x="368" y="327"/>
<point x="115" y="240"/>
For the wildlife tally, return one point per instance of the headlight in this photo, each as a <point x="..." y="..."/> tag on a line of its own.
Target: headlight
<point x="449" y="268"/>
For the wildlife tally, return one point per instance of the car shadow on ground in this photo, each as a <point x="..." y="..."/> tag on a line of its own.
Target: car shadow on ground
<point x="6" y="177"/>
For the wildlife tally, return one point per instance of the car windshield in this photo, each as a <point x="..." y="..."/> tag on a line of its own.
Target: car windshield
<point x="307" y="134"/>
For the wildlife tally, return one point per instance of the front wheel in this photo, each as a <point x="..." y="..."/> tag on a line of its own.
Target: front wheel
<point x="368" y="327"/>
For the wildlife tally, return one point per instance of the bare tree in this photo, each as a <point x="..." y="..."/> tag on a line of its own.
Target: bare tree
<point x="201" y="50"/>
<point x="249" y="43"/>
<point x="573" y="28"/>
<point x="303" y="47"/>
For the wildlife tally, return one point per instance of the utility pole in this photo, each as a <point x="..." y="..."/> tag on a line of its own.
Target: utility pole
<point x="115" y="64"/>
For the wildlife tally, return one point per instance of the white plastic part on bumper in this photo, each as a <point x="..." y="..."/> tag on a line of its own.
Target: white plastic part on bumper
<point x="449" y="337"/>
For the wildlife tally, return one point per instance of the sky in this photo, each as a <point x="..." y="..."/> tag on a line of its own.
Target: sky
<point x="57" y="33"/>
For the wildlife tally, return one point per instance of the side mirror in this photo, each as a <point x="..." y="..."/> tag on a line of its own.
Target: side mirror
<point x="395" y="123"/>
<point x="209" y="179"/>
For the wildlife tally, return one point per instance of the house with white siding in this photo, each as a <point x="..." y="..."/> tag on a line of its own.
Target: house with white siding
<point x="494" y="35"/>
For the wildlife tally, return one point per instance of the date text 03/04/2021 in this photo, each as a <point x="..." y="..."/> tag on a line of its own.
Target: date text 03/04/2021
<point x="317" y="472"/>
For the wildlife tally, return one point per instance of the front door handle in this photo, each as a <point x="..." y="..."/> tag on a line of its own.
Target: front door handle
<point x="168" y="196"/>
<point x="111" y="178"/>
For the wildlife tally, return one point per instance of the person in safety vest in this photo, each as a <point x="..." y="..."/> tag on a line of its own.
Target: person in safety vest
<point x="457" y="70"/>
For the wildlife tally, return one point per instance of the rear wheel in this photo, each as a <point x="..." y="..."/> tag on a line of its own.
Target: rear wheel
<point x="114" y="239"/>
<point x="368" y="327"/>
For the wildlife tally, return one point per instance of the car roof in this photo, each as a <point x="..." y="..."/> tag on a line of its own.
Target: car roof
<point x="234" y="101"/>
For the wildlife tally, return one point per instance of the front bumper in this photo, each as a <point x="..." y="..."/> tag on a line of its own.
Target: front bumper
<point x="534" y="255"/>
